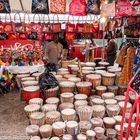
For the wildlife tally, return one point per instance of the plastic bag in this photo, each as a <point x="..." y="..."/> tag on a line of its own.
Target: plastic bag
<point x="51" y="67"/>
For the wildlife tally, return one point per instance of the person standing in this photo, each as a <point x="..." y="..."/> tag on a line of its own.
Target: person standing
<point x="54" y="51"/>
<point x="111" y="50"/>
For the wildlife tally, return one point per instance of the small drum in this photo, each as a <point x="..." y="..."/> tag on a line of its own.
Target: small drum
<point x="84" y="87"/>
<point x="98" y="111"/>
<point x="74" y="79"/>
<point x="29" y="109"/>
<point x="100" y="72"/>
<point x="99" y="131"/>
<point x="35" y="138"/>
<point x="96" y="122"/>
<point x="48" y="107"/>
<point x="120" y="98"/>
<point x="108" y="95"/>
<point x="85" y="113"/>
<point x="46" y="131"/>
<point x="28" y="79"/>
<point x="113" y="89"/>
<point x="32" y="130"/>
<point x="30" y="92"/>
<point x="103" y="64"/>
<point x="67" y="86"/>
<point x="75" y="70"/>
<point x="38" y="101"/>
<point x="52" y="100"/>
<point x="59" y="128"/>
<point x="67" y="97"/>
<point x="67" y="137"/>
<point x="29" y="83"/>
<point x="97" y="101"/>
<point x="128" y="107"/>
<point x="66" y="106"/>
<point x="90" y="135"/>
<point x="111" y="133"/>
<point x="68" y="114"/>
<point x="84" y="126"/>
<point x="92" y="97"/>
<point x="95" y="79"/>
<point x="109" y="122"/>
<point x="86" y="72"/>
<point x="37" y="118"/>
<point x="118" y="119"/>
<point x="90" y="64"/>
<point x="88" y="68"/>
<point x="67" y="76"/>
<point x="108" y="79"/>
<point x="70" y="67"/>
<point x="36" y="75"/>
<point x="81" y="137"/>
<point x="100" y="68"/>
<point x="100" y="90"/>
<point x="52" y="92"/>
<point x="122" y="89"/>
<point x="55" y="138"/>
<point x="80" y="103"/>
<point x="110" y="102"/>
<point x="52" y="116"/>
<point x="113" y="110"/>
<point x="80" y="97"/>
<point x="72" y="127"/>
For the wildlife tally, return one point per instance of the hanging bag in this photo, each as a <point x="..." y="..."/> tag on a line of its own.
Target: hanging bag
<point x="58" y="6"/>
<point x="124" y="8"/>
<point x="56" y="27"/>
<point x="93" y="7"/>
<point x="40" y="6"/>
<point x="4" y="6"/>
<point x="78" y="8"/>
<point x="136" y="8"/>
<point x="70" y="27"/>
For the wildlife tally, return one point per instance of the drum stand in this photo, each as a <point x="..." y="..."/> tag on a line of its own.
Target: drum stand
<point x="135" y="107"/>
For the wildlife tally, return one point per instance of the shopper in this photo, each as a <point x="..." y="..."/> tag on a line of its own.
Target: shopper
<point x="111" y="50"/>
<point x="54" y="51"/>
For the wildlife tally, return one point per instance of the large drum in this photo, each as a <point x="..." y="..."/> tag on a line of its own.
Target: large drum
<point x="99" y="132"/>
<point x="98" y="111"/>
<point x="46" y="131"/>
<point x="109" y="122"/>
<point x="29" y="109"/>
<point x="97" y="101"/>
<point x="66" y="106"/>
<point x="80" y="97"/>
<point x="52" y="92"/>
<point x="30" y="92"/>
<point x="32" y="130"/>
<point x="94" y="79"/>
<point x="113" y="89"/>
<point x="100" y="90"/>
<point x="86" y="72"/>
<point x="59" y="128"/>
<point x="96" y="122"/>
<point x="74" y="79"/>
<point x="72" y="127"/>
<point x="29" y="83"/>
<point x="84" y="126"/>
<point x="80" y="103"/>
<point x="84" y="87"/>
<point x="108" y="95"/>
<point x="52" y="100"/>
<point x="48" y="107"/>
<point x="37" y="118"/>
<point x="108" y="79"/>
<point x="85" y="113"/>
<point x="67" y="86"/>
<point x="68" y="114"/>
<point x="67" y="97"/>
<point x="52" y="116"/>
<point x="38" y="101"/>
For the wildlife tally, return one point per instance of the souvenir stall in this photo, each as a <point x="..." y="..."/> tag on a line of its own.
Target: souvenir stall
<point x="85" y="99"/>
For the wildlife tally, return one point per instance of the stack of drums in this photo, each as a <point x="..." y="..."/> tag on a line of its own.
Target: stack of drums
<point x="103" y="64"/>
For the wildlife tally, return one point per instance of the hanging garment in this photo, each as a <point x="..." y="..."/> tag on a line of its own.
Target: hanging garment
<point x="121" y="57"/>
<point x="127" y="71"/>
<point x="4" y="6"/>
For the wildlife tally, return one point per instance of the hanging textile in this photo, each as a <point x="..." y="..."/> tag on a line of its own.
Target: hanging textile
<point x="27" y="6"/>
<point x="127" y="72"/>
<point x="40" y="6"/>
<point x="4" y="6"/>
<point x="15" y="5"/>
<point x="121" y="57"/>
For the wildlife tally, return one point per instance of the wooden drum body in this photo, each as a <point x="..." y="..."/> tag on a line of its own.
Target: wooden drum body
<point x="100" y="90"/>
<point x="67" y="86"/>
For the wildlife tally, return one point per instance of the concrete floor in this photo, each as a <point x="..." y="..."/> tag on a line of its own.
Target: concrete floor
<point x="13" y="120"/>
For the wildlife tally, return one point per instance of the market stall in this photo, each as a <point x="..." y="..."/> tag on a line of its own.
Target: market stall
<point x="83" y="96"/>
